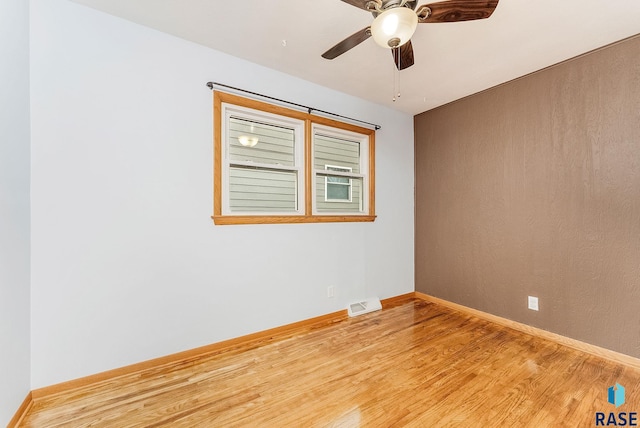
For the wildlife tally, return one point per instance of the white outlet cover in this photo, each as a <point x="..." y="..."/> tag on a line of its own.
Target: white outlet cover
<point x="533" y="303"/>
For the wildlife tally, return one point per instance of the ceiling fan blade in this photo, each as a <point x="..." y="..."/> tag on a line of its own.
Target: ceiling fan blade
<point x="361" y="4"/>
<point x="403" y="56"/>
<point x="350" y="42"/>
<point x="457" y="10"/>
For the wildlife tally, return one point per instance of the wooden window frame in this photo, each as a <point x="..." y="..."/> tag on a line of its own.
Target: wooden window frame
<point x="220" y="98"/>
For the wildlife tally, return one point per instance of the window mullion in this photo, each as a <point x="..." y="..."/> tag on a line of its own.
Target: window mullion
<point x="310" y="192"/>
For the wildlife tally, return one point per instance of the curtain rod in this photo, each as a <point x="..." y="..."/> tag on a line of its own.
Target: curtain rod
<point x="309" y="109"/>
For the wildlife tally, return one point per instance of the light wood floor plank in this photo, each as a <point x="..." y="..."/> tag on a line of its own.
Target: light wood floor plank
<point x="413" y="364"/>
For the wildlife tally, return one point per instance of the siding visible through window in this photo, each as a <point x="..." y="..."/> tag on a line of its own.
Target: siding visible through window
<point x="341" y="152"/>
<point x="254" y="188"/>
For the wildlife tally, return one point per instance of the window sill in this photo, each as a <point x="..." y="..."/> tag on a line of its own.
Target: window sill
<point x="238" y="219"/>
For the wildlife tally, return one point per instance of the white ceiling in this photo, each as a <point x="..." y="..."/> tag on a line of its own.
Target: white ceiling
<point x="452" y="60"/>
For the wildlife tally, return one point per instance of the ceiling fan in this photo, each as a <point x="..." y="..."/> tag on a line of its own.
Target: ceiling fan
<point x="396" y="21"/>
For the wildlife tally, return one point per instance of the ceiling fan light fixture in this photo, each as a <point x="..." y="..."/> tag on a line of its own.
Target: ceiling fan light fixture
<point x="394" y="27"/>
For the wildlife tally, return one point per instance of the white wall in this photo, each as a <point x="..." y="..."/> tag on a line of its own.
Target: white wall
<point x="14" y="206"/>
<point x="126" y="262"/>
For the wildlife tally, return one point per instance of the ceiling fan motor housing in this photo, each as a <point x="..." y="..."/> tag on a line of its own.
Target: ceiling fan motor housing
<point x="378" y="6"/>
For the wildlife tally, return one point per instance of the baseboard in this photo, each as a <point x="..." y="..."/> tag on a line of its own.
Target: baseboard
<point x="22" y="411"/>
<point x="393" y="301"/>
<point x="260" y="337"/>
<point x="191" y="354"/>
<point x="607" y="354"/>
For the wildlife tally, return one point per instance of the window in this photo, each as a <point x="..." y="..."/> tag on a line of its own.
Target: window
<point x="276" y="165"/>
<point x="263" y="163"/>
<point x="340" y="158"/>
<point x="337" y="189"/>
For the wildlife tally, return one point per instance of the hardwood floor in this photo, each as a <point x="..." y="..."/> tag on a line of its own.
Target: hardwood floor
<point x="415" y="364"/>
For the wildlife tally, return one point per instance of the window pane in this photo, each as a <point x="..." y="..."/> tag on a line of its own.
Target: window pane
<point x="337" y="152"/>
<point x="336" y="198"/>
<point x="338" y="191"/>
<point x="252" y="190"/>
<point x="275" y="144"/>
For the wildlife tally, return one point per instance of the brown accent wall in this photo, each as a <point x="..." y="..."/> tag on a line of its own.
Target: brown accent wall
<point x="533" y="188"/>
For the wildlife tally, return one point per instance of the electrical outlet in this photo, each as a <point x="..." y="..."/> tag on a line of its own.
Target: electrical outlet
<point x="331" y="291"/>
<point x="533" y="303"/>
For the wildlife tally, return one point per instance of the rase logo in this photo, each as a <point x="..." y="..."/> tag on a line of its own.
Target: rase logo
<point x="615" y="396"/>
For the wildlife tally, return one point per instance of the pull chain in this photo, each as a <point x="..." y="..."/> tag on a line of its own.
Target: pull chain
<point x="393" y="83"/>
<point x="396" y="74"/>
<point x="399" y="68"/>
